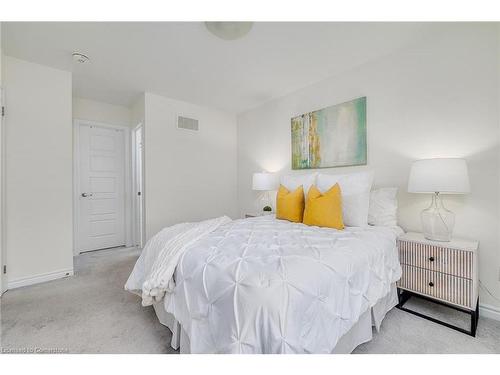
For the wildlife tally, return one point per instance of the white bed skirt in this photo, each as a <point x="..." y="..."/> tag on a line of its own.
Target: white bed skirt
<point x="360" y="333"/>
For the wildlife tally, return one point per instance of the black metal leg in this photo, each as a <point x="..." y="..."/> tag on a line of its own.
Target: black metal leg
<point x="474" y="320"/>
<point x="473" y="324"/>
<point x="404" y="296"/>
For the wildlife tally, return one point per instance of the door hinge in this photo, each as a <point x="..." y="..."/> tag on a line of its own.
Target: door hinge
<point x="3" y="111"/>
<point x="138" y="193"/>
<point x="5" y="268"/>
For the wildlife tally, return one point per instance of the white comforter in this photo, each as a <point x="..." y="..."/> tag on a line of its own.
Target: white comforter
<point x="153" y="273"/>
<point x="263" y="285"/>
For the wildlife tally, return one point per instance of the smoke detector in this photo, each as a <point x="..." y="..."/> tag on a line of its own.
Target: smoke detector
<point x="229" y="30"/>
<point x="80" y="58"/>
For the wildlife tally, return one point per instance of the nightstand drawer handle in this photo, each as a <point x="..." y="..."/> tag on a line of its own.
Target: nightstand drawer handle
<point x="431" y="284"/>
<point x="431" y="259"/>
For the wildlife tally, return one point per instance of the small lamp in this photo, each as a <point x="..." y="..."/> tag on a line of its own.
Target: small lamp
<point x="267" y="182"/>
<point x="438" y="176"/>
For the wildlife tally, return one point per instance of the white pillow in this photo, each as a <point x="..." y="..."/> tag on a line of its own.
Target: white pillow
<point x="293" y="181"/>
<point x="383" y="207"/>
<point x="355" y="189"/>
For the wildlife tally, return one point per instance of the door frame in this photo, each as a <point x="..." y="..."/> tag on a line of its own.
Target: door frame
<point x="3" y="248"/>
<point x="138" y="241"/>
<point x="77" y="123"/>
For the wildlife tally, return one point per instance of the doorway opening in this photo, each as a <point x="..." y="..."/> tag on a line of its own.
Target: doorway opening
<point x="102" y="186"/>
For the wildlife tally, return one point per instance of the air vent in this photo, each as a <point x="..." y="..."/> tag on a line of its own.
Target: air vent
<point x="187" y="123"/>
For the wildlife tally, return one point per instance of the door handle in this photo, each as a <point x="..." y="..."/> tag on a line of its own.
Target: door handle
<point x="85" y="195"/>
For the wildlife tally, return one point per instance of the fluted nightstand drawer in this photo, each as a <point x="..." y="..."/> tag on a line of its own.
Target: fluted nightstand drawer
<point x="450" y="261"/>
<point x="456" y="290"/>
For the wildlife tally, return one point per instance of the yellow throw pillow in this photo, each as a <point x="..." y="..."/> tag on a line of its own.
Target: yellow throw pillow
<point x="324" y="210"/>
<point x="290" y="204"/>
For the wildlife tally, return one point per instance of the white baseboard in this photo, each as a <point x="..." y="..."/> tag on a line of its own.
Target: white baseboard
<point x="489" y="311"/>
<point x="37" y="279"/>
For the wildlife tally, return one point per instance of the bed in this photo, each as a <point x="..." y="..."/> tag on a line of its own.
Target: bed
<point x="263" y="285"/>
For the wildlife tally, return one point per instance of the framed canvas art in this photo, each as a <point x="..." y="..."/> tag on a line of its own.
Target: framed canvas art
<point x="330" y="137"/>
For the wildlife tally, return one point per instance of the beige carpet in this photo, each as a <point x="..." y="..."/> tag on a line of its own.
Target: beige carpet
<point x="91" y="313"/>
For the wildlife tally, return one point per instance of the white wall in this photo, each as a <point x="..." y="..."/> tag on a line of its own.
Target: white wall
<point x="91" y="110"/>
<point x="438" y="98"/>
<point x="137" y="111"/>
<point x="38" y="135"/>
<point x="188" y="176"/>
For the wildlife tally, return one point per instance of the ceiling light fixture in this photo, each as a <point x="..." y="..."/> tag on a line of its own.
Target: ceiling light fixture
<point x="229" y="30"/>
<point x="80" y="58"/>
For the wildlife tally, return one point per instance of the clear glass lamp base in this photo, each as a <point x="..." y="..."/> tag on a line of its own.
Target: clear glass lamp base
<point x="437" y="221"/>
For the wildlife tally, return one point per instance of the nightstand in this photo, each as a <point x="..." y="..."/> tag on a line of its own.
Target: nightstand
<point x="441" y="272"/>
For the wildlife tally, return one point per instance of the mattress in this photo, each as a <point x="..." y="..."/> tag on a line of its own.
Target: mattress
<point x="263" y="285"/>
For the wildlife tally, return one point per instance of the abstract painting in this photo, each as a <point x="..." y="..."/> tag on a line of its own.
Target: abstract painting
<point x="330" y="137"/>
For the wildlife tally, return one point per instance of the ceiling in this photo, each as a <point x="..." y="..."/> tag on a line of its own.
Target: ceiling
<point x="182" y="60"/>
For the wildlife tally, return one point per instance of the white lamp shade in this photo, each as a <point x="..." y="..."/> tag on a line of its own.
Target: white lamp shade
<point x="443" y="175"/>
<point x="264" y="181"/>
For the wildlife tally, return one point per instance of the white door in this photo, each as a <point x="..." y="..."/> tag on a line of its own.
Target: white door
<point x="101" y="193"/>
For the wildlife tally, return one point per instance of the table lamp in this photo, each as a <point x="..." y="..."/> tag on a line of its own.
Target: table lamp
<point x="266" y="182"/>
<point x="438" y="176"/>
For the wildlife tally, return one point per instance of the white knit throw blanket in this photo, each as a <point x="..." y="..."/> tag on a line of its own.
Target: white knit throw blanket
<point x="154" y="270"/>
